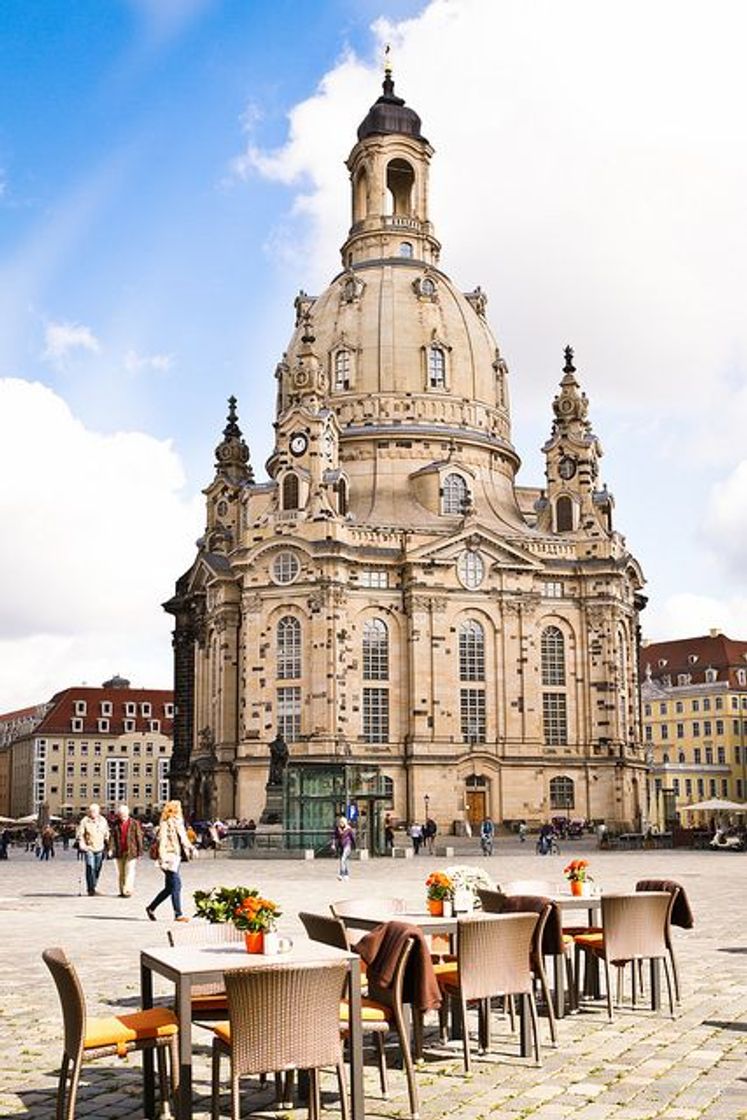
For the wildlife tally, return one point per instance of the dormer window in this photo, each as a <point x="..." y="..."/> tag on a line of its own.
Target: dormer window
<point x="436" y="368"/>
<point x="80" y="707"/>
<point x="145" y="709"/>
<point x="168" y="711"/>
<point x="130" y="708"/>
<point x="154" y="725"/>
<point x="129" y="725"/>
<point x="692" y="659"/>
<point x="342" y="371"/>
<point x="711" y="675"/>
<point x="106" y="707"/>
<point x="103" y="725"/>
<point x="455" y="495"/>
<point x="662" y="662"/>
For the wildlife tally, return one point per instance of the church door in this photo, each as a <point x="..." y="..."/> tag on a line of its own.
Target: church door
<point x="476" y="806"/>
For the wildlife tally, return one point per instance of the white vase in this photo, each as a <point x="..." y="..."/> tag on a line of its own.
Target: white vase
<point x="463" y="900"/>
<point x="271" y="944"/>
<point x="448" y="908"/>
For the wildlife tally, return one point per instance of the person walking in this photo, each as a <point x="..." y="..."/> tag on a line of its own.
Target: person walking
<point x="173" y="847"/>
<point x="93" y="836"/>
<point x="4" y="843"/>
<point x="343" y="842"/>
<point x="487" y="832"/>
<point x="416" y="835"/>
<point x="430" y="829"/>
<point x="523" y="830"/>
<point x="47" y="843"/>
<point x="126" y="846"/>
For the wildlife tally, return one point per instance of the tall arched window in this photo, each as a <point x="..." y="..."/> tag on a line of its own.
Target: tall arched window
<point x="342" y="497"/>
<point x="564" y="514"/>
<point x="288" y="648"/>
<point x="472" y="669"/>
<point x="360" y="201"/>
<point x="342" y="370"/>
<point x="290" y="491"/>
<point x="471" y="651"/>
<point x="376" y="668"/>
<point x="562" y="793"/>
<point x="554" y="702"/>
<point x="622" y="683"/>
<point x="455" y="497"/>
<point x="436" y="367"/>
<point x="400" y="178"/>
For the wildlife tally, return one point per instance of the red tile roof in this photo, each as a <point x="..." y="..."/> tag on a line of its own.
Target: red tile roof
<point x="6" y="717"/>
<point x="58" y="720"/>
<point x="693" y="656"/>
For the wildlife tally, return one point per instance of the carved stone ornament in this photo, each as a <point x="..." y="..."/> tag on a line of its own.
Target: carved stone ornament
<point x="351" y="287"/>
<point x="477" y="299"/>
<point x="303" y="304"/>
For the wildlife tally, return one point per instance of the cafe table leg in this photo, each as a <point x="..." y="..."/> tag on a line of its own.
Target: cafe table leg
<point x="525" y="1042"/>
<point x="357" y="1105"/>
<point x="184" y="1015"/>
<point x="558" y="988"/>
<point x="655" y="984"/>
<point x="149" y="1080"/>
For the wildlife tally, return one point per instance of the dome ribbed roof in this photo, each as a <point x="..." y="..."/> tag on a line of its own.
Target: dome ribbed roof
<point x="390" y="115"/>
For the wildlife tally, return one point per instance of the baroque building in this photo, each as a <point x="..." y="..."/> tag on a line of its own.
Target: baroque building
<point x="424" y="633"/>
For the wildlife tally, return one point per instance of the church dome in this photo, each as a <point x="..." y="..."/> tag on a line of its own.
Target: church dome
<point x="390" y="115"/>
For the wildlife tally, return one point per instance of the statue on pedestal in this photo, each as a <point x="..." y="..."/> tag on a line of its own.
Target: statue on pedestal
<point x="279" y="755"/>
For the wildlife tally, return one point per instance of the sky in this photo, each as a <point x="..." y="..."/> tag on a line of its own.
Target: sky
<point x="172" y="173"/>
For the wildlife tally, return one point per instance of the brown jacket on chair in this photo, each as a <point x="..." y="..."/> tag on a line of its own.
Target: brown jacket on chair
<point x="380" y="949"/>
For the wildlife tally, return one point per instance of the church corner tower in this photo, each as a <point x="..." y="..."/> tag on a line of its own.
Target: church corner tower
<point x="422" y="632"/>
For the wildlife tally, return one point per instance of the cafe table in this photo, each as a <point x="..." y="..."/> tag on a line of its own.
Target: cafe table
<point x="368" y="918"/>
<point x="189" y="965"/>
<point x="569" y="905"/>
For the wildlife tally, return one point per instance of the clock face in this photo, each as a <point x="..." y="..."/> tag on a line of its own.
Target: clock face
<point x="299" y="441"/>
<point x="567" y="467"/>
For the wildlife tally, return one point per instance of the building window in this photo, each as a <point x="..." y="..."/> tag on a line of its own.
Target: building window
<point x="129" y="725"/>
<point x="721" y="755"/>
<point x="285" y="567"/>
<point x="696" y="705"/>
<point x="737" y="754"/>
<point x="719" y="727"/>
<point x="696" y="729"/>
<point x="106" y="707"/>
<point x="719" y="703"/>
<point x="288" y="648"/>
<point x="405" y="249"/>
<point x="374" y="577"/>
<point x="168" y="711"/>
<point x="712" y="787"/>
<point x="664" y="731"/>
<point x="76" y="724"/>
<point x="697" y="756"/>
<point x="679" y="707"/>
<point x="342" y="497"/>
<point x="472" y="714"/>
<point x="688" y="787"/>
<point x="701" y="787"/>
<point x="116" y="780"/>
<point x="376" y="715"/>
<point x="665" y="758"/>
<point x="552" y="589"/>
<point x="555" y="718"/>
<point x="145" y="709"/>
<point x="471" y="569"/>
<point x="291" y="491"/>
<point x="436" y="367"/>
<point x="130" y="708"/>
<point x="648" y="733"/>
<point x="681" y="758"/>
<point x="707" y="727"/>
<point x="471" y="651"/>
<point x="375" y="650"/>
<point x="564" y="515"/>
<point x="662" y="709"/>
<point x="289" y="713"/>
<point x="676" y="786"/>
<point x="562" y="794"/>
<point x="553" y="657"/>
<point x="680" y="731"/>
<point x="706" y="704"/>
<point x="163" y="780"/>
<point x="102" y="725"/>
<point x="709" y="756"/>
<point x="342" y="370"/>
<point x="455" y="495"/>
<point x="647" y="709"/>
<point x="80" y="707"/>
<point x="739" y="787"/>
<point x="154" y="725"/>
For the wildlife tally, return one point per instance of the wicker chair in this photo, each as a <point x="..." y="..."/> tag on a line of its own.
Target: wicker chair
<point x="547" y="941"/>
<point x="680" y="915"/>
<point x="493" y="958"/>
<point x="281" y="1018"/>
<point x="633" y="930"/>
<point x="208" y="1000"/>
<point x="347" y="909"/>
<point x="89" y="1038"/>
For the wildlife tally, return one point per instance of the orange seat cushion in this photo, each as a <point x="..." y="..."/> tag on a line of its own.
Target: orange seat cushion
<point x="223" y="1031"/>
<point x="592" y="942"/>
<point x="445" y="968"/>
<point x="119" y="1030"/>
<point x="209" y="1002"/>
<point x="371" y="1011"/>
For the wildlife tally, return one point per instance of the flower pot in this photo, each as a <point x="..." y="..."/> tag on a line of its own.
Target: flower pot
<point x="436" y="907"/>
<point x="254" y="941"/>
<point x="578" y="888"/>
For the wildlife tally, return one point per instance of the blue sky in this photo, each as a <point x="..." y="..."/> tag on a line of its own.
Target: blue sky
<point x="171" y="173"/>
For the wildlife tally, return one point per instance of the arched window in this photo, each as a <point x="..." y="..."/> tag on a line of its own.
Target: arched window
<point x="622" y="683"/>
<point x="436" y="368"/>
<point x="665" y="758"/>
<point x="562" y="795"/>
<point x="554" y="701"/>
<point x="290" y="491"/>
<point x="342" y="497"/>
<point x="553" y="657"/>
<point x="455" y="494"/>
<point x="375" y="650"/>
<point x="405" y="249"/>
<point x="400" y="178"/>
<point x="564" y="515"/>
<point x="471" y="651"/>
<point x="681" y="757"/>
<point x="288" y="648"/>
<point x="360" y="199"/>
<point x="387" y="790"/>
<point x="342" y="370"/>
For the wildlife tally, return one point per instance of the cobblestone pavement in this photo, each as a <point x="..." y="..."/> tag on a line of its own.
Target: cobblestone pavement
<point x="644" y="1066"/>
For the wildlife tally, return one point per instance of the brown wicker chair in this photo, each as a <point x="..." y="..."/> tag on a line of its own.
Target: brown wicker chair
<point x="547" y="940"/>
<point x="633" y="930"/>
<point x="208" y="1000"/>
<point x="493" y="958"/>
<point x="348" y="908"/>
<point x="680" y="915"/>
<point x="281" y="1018"/>
<point x="89" y="1038"/>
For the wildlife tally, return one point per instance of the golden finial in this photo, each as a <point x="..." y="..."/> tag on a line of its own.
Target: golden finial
<point x="388" y="60"/>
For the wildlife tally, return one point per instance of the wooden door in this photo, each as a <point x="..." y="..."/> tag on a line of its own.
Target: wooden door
<point x="476" y="806"/>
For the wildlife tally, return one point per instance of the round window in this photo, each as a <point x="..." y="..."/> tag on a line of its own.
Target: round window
<point x="285" y="567"/>
<point x="471" y="569"/>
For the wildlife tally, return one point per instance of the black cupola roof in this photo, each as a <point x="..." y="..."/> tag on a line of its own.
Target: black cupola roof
<point x="390" y="115"/>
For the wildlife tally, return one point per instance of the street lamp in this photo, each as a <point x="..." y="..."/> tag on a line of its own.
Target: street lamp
<point x="427" y="801"/>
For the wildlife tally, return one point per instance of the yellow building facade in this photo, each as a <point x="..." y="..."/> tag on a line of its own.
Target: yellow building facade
<point x="390" y="600"/>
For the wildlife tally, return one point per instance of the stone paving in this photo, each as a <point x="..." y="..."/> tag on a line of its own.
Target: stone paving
<point x="644" y="1066"/>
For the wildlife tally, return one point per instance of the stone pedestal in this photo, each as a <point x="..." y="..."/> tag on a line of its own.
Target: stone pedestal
<point x="272" y="814"/>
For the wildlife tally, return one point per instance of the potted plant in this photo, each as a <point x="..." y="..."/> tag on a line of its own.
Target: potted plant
<point x="256" y="917"/>
<point x="438" y="893"/>
<point x="466" y="881"/>
<point x="217" y="906"/>
<point x="577" y="875"/>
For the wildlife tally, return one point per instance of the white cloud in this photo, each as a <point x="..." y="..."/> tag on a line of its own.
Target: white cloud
<point x="688" y="615"/>
<point x="101" y="527"/>
<point x="62" y="339"/>
<point x="725" y="526"/>
<point x="140" y="363"/>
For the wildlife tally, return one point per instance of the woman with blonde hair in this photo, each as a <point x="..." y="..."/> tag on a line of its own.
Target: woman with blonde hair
<point x="173" y="847"/>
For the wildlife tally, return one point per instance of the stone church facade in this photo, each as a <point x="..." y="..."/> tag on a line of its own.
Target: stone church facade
<point x="425" y="634"/>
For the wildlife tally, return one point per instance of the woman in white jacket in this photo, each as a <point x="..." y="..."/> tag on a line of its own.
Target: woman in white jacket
<point x="173" y="847"/>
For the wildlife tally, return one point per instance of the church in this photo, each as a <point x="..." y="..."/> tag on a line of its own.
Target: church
<point x="426" y="636"/>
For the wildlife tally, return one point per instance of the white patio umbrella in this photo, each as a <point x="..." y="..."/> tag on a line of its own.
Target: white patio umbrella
<point x="715" y="805"/>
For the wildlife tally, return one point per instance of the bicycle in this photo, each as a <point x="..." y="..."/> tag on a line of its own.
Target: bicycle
<point x="486" y="845"/>
<point x="552" y="847"/>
